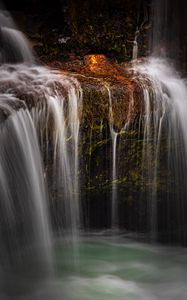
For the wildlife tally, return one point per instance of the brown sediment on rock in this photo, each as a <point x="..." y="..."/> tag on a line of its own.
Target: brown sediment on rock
<point x="97" y="77"/>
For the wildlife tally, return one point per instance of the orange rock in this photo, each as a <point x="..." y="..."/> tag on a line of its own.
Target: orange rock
<point x="98" y="63"/>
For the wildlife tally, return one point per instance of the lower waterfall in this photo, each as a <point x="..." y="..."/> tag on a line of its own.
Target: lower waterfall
<point x="51" y="125"/>
<point x="25" y="234"/>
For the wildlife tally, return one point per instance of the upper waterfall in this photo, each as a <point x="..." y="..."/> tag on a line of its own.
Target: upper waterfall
<point x="168" y="34"/>
<point x="14" y="47"/>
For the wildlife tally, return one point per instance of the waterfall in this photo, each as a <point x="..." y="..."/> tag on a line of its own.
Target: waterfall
<point x="57" y="103"/>
<point x="65" y="112"/>
<point x="40" y="113"/>
<point x="159" y="36"/>
<point x="25" y="230"/>
<point x="164" y="122"/>
<point x="167" y="38"/>
<point x="165" y="96"/>
<point x="14" y="47"/>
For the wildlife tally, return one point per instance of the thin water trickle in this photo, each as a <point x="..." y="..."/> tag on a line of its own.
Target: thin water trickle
<point x="115" y="224"/>
<point x="114" y="136"/>
<point x="135" y="45"/>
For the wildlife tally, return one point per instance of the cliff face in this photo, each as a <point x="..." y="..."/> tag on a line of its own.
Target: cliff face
<point x="65" y="29"/>
<point x="112" y="98"/>
<point x="76" y="46"/>
<point x="145" y="184"/>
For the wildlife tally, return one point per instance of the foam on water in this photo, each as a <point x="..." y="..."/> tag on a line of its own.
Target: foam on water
<point x="122" y="270"/>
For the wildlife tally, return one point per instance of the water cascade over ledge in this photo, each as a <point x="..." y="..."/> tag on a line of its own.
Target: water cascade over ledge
<point x="14" y="46"/>
<point x="163" y="120"/>
<point x="93" y="167"/>
<point x="40" y="111"/>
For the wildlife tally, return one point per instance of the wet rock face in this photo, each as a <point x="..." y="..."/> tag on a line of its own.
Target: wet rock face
<point x="119" y="86"/>
<point x="101" y="79"/>
<point x="57" y="31"/>
<point x="105" y="26"/>
<point x="95" y="140"/>
<point x="98" y="85"/>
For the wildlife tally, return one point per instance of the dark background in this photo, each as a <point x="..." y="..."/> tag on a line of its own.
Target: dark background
<point x="95" y="26"/>
<point x="103" y="26"/>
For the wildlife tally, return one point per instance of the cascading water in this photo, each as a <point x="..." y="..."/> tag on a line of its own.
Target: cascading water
<point x="14" y="47"/>
<point x="164" y="121"/>
<point x="25" y="233"/>
<point x="164" y="96"/>
<point x="56" y="117"/>
<point x="40" y="114"/>
<point x="40" y="110"/>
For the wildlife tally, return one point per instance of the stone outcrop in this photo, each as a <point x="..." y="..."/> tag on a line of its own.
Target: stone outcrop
<point x="99" y="77"/>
